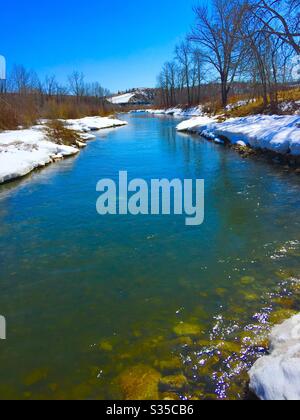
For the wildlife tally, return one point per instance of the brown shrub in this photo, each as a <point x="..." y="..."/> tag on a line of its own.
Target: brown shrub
<point x="25" y="109"/>
<point x="57" y="132"/>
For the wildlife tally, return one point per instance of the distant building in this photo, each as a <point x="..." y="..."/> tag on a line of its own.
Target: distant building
<point x="2" y="74"/>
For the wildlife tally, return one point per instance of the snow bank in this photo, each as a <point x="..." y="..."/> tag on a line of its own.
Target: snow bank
<point x="276" y="133"/>
<point x="189" y="112"/>
<point x="175" y="112"/>
<point x="22" y="151"/>
<point x="195" y="124"/>
<point x="87" y="124"/>
<point x="277" y="376"/>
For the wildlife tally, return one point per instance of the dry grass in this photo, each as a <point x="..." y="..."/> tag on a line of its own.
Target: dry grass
<point x="70" y="108"/>
<point x="26" y="110"/>
<point x="258" y="107"/>
<point x="289" y="95"/>
<point x="16" y="112"/>
<point x="249" y="109"/>
<point x="57" y="132"/>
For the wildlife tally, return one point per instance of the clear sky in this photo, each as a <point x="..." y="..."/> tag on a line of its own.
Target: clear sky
<point x="120" y="43"/>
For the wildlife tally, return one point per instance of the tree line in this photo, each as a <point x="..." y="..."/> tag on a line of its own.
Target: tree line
<point x="241" y="47"/>
<point x="23" y="81"/>
<point x="26" y="98"/>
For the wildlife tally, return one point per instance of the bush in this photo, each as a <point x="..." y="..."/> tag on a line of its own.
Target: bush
<point x="17" y="111"/>
<point x="57" y="132"/>
<point x="26" y="109"/>
<point x="8" y="117"/>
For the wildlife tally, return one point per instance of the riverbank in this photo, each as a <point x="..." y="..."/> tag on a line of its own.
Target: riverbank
<point x="278" y="135"/>
<point x="24" y="150"/>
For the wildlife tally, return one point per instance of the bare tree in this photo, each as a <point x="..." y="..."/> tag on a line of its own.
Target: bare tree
<point x="280" y="18"/>
<point x="23" y="81"/>
<point x="96" y="90"/>
<point x="50" y="86"/>
<point x="198" y="62"/>
<point x="77" y="84"/>
<point x="183" y="56"/>
<point x="217" y="33"/>
<point x="164" y="81"/>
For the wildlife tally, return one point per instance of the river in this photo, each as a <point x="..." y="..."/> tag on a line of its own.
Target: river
<point x="88" y="298"/>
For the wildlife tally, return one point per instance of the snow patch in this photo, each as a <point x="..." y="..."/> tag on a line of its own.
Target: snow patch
<point x="239" y="104"/>
<point x="277" y="376"/>
<point x="87" y="124"/>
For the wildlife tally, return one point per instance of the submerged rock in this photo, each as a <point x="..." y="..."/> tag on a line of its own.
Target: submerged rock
<point x="277" y="376"/>
<point x="279" y="316"/>
<point x="228" y="346"/>
<point x="254" y="339"/>
<point x="36" y="376"/>
<point x="169" y="396"/>
<point x="186" y="329"/>
<point x="173" y="383"/>
<point x="106" y="346"/>
<point x="183" y="341"/>
<point x="170" y="365"/>
<point x="250" y="297"/>
<point x="221" y="292"/>
<point x="284" y="302"/>
<point x="247" y="280"/>
<point x="139" y="383"/>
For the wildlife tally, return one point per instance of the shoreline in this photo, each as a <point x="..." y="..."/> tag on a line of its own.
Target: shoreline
<point x="286" y="162"/>
<point x="275" y="138"/>
<point x="25" y="150"/>
<point x="279" y="134"/>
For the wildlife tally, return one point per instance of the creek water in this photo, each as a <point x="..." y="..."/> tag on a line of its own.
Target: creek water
<point x="90" y="299"/>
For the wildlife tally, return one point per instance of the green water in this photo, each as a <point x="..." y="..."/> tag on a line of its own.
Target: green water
<point x="88" y="298"/>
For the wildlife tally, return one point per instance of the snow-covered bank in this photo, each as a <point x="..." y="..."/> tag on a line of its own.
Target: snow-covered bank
<point x="277" y="376"/>
<point x="280" y="134"/>
<point x="87" y="124"/>
<point x="22" y="151"/>
<point x="175" y="112"/>
<point x="195" y="125"/>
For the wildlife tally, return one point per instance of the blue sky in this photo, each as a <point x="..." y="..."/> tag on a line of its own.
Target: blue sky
<point x="120" y="43"/>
